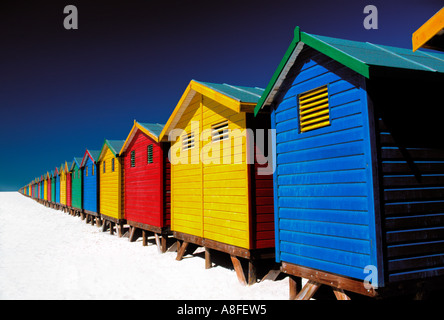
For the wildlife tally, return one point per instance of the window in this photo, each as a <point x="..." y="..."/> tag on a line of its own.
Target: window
<point x="104" y="166"/>
<point x="313" y="109"/>
<point x="219" y="131"/>
<point x="86" y="171"/>
<point x="92" y="167"/>
<point x="150" y="153"/>
<point x="112" y="164"/>
<point x="188" y="141"/>
<point x="133" y="158"/>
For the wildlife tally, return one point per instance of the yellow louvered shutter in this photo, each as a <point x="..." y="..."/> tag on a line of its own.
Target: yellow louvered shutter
<point x="313" y="109"/>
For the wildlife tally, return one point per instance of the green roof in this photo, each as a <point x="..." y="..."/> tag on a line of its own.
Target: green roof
<point x="361" y="57"/>
<point x="239" y="93"/>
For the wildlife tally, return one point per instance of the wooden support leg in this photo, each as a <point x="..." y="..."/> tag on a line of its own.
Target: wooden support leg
<point x="252" y="277"/>
<point x="111" y="227"/>
<point x="144" y="238"/>
<point x="294" y="286"/>
<point x="239" y="271"/>
<point x="340" y="294"/>
<point x="104" y="226"/>
<point x="181" y="251"/>
<point x="308" y="290"/>
<point x="163" y="243"/>
<point x="93" y="220"/>
<point x="159" y="249"/>
<point x="207" y="258"/>
<point x="132" y="233"/>
<point x="120" y="230"/>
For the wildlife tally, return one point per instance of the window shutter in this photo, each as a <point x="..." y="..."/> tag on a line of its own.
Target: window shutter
<point x="219" y="131"/>
<point x="133" y="158"/>
<point x="314" y="111"/>
<point x="150" y="153"/>
<point x="188" y="141"/>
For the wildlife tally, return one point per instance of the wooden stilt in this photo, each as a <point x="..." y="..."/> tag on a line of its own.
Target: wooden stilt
<point x="340" y="294"/>
<point x="132" y="233"/>
<point x="238" y="268"/>
<point x="163" y="243"/>
<point x="119" y="230"/>
<point x="308" y="290"/>
<point x="207" y="258"/>
<point x="99" y="221"/>
<point x="144" y="238"/>
<point x="293" y="286"/>
<point x="181" y="251"/>
<point x="159" y="249"/>
<point x="104" y="226"/>
<point x="252" y="277"/>
<point x="111" y="227"/>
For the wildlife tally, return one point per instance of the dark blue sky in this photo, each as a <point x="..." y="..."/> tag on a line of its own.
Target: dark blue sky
<point x="62" y="91"/>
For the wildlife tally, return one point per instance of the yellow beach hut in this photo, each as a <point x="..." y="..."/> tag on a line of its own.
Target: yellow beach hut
<point x="111" y="185"/>
<point x="218" y="199"/>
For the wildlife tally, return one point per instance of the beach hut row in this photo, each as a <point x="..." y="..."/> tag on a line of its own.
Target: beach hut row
<point x="345" y="188"/>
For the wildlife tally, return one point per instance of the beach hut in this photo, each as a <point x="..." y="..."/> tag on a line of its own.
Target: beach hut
<point x="218" y="199"/>
<point x="76" y="189"/>
<point x="57" y="187"/>
<point x="45" y="187"/>
<point x="68" y="176"/>
<point x="358" y="185"/>
<point x="90" y="190"/>
<point x="53" y="188"/>
<point x="147" y="182"/>
<point x="42" y="188"/>
<point x="111" y="186"/>
<point x="62" y="174"/>
<point x="48" y="188"/>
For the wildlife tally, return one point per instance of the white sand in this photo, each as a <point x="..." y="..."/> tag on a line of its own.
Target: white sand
<point x="48" y="254"/>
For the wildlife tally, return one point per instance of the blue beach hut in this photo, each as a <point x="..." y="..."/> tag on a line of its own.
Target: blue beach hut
<point x="90" y="191"/>
<point x="358" y="185"/>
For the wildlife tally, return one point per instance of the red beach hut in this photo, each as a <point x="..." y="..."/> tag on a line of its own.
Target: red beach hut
<point x="147" y="182"/>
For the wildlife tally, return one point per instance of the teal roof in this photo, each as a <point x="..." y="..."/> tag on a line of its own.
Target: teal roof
<point x="239" y="93"/>
<point x="362" y="57"/>
<point x="77" y="161"/>
<point x="114" y="145"/>
<point x="154" y="128"/>
<point x="94" y="154"/>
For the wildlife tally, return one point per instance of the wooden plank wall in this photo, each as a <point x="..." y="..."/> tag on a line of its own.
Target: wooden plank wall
<point x="324" y="196"/>
<point x="411" y="161"/>
<point x="90" y="190"/>
<point x="143" y="191"/>
<point x="110" y="202"/>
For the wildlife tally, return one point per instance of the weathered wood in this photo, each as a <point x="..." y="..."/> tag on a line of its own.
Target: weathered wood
<point x="238" y="268"/>
<point x="144" y="238"/>
<point x="294" y="286"/>
<point x="181" y="251"/>
<point x="159" y="246"/>
<point x="340" y="294"/>
<point x="132" y="234"/>
<point x="105" y="225"/>
<point x="163" y="243"/>
<point x="252" y="276"/>
<point x="329" y="279"/>
<point x="308" y="290"/>
<point x="208" y="264"/>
